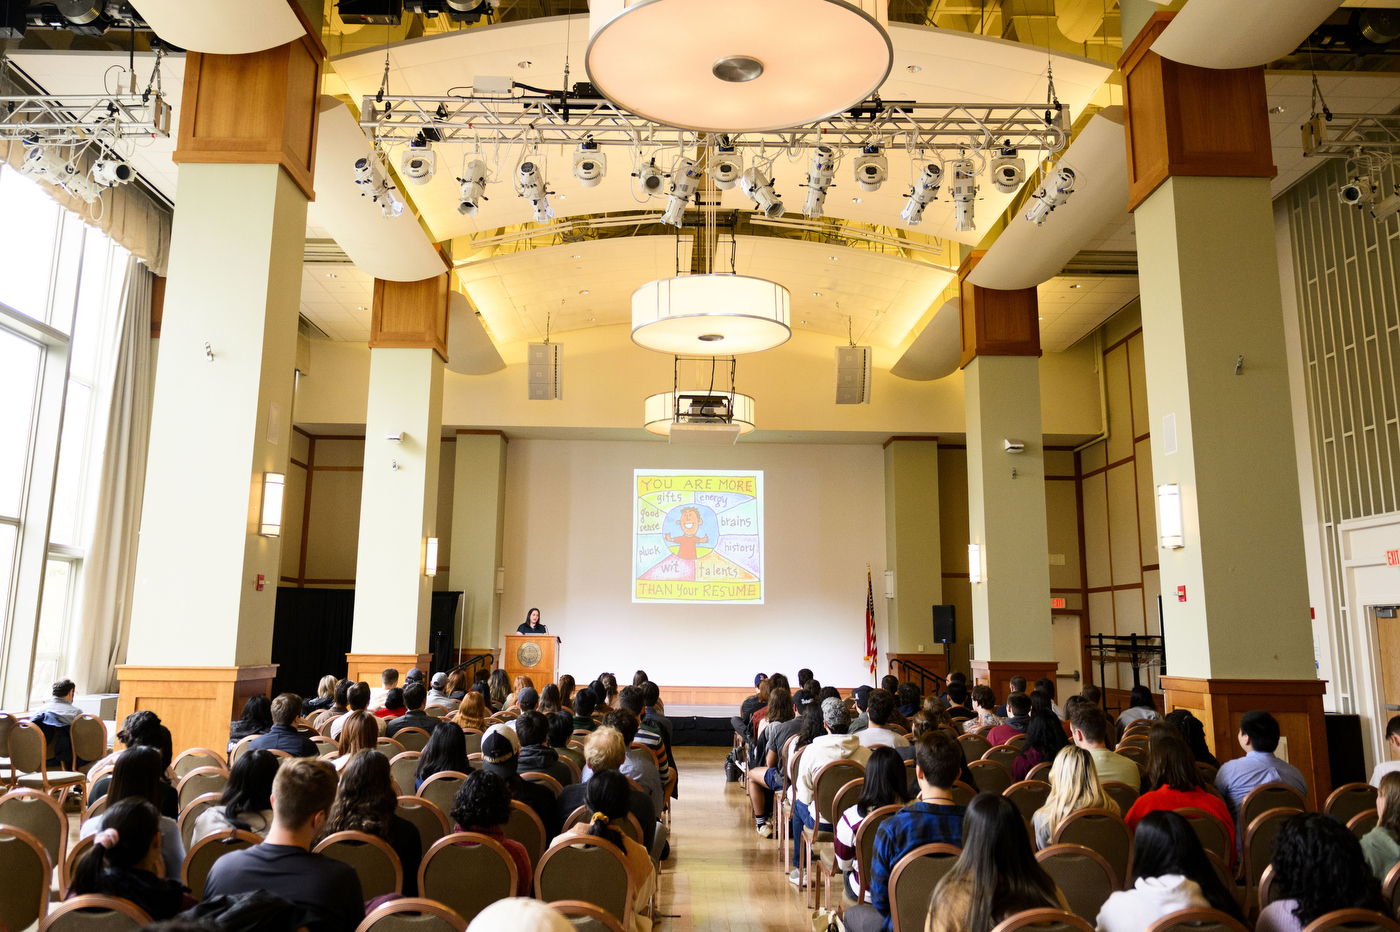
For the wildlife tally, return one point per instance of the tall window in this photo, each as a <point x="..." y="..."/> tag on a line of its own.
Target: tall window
<point x="69" y="277"/>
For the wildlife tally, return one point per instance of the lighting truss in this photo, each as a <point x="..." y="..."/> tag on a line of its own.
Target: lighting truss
<point x="1347" y="135"/>
<point x="560" y="119"/>
<point x="72" y="119"/>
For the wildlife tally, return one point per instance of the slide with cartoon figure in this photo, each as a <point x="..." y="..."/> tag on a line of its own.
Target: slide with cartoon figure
<point x="697" y="536"/>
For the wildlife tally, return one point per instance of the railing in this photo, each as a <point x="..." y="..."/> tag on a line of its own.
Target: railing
<point x="924" y="674"/>
<point x="469" y="665"/>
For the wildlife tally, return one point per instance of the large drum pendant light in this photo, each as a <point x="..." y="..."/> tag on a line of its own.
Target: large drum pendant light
<point x="711" y="315"/>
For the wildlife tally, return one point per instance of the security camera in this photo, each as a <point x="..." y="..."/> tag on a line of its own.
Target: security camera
<point x="418" y="164"/>
<point x="590" y="165"/>
<point x="820" y="174"/>
<point x="871" y="168"/>
<point x="375" y="185"/>
<point x="473" y="182"/>
<point x="924" y="193"/>
<point x="534" y="189"/>
<point x="1053" y="192"/>
<point x="726" y="166"/>
<point x="685" y="181"/>
<point x="112" y="171"/>
<point x="754" y="183"/>
<point x="651" y="178"/>
<point x="1008" y="172"/>
<point x="963" y="190"/>
<point x="1355" y="193"/>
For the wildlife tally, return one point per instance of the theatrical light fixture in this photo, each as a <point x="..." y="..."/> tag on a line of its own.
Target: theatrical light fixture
<point x="685" y="181"/>
<point x="273" y="485"/>
<point x="710" y="315"/>
<point x="1008" y="172"/>
<point x="1053" y="192"/>
<point x="1355" y="193"/>
<point x="1386" y="208"/>
<point x="112" y="171"/>
<point x="726" y="165"/>
<point x="533" y="188"/>
<point x="590" y="164"/>
<point x="963" y="188"/>
<point x="974" y="563"/>
<point x="1169" y="522"/>
<point x="473" y="182"/>
<point x="820" y="174"/>
<point x="924" y="193"/>
<point x="754" y="183"/>
<point x="871" y="168"/>
<point x="369" y="175"/>
<point x="430" y="557"/>
<point x="650" y="178"/>
<point x="418" y="164"/>
<point x="40" y="164"/>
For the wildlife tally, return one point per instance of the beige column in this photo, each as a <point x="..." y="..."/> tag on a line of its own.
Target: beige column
<point x="398" y="504"/>
<point x="913" y="551"/>
<point x="478" y="534"/>
<point x="1235" y="594"/>
<point x="206" y="586"/>
<point x="1005" y="490"/>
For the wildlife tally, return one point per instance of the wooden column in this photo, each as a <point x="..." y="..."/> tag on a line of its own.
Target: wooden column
<point x="410" y="315"/>
<point x="195" y="703"/>
<point x="368" y="667"/>
<point x="994" y="322"/>
<point x="998" y="673"/>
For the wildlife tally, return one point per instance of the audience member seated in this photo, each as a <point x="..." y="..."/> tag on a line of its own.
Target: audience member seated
<point x="606" y="796"/>
<point x="365" y="802"/>
<point x="1089" y="728"/>
<point x="536" y="756"/>
<point x="361" y="733"/>
<point x="414" y="695"/>
<point x="521" y="682"/>
<point x="1141" y="706"/>
<point x="246" y="803"/>
<point x="471" y="713"/>
<point x="1170" y="872"/>
<point x="500" y="752"/>
<point x="825" y="749"/>
<point x="1194" y="734"/>
<point x="605" y="751"/>
<point x="388" y="680"/>
<point x="482" y="805"/>
<point x="907" y="699"/>
<point x="984" y="704"/>
<point x="1175" y="782"/>
<point x="446" y="750"/>
<point x="438" y="694"/>
<point x="357" y="699"/>
<point x="1046" y="687"/>
<point x="393" y="706"/>
<point x="549" y="699"/>
<point x="126" y="861"/>
<point x="566" y="692"/>
<point x="1318" y="868"/>
<point x="498" y="686"/>
<point x="456" y="687"/>
<point x="60" y="709"/>
<point x="1019" y="705"/>
<point x="256" y="720"/>
<point x="630" y="700"/>
<point x="1381" y="845"/>
<point x="137" y="775"/>
<point x="283" y="736"/>
<point x="760" y="714"/>
<point x="527" y="699"/>
<point x="1259" y="735"/>
<point x="561" y="732"/>
<point x="1392" y="744"/>
<point x="327" y="889"/>
<point x="143" y="730"/>
<point x="1074" y="785"/>
<point x="1044" y="738"/>
<point x="878" y="733"/>
<point x="338" y="707"/>
<point x="325" y="697"/>
<point x="995" y="877"/>
<point x="1092" y="694"/>
<point x="861" y="696"/>
<point x="584" y="704"/>
<point x="639" y="764"/>
<point x="765" y="776"/>
<point x="885" y="785"/>
<point x="957" y="702"/>
<point x="1017" y="684"/>
<point x="654" y="717"/>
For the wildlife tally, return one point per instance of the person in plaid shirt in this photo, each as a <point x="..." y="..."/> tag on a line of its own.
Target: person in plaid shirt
<point x="931" y="818"/>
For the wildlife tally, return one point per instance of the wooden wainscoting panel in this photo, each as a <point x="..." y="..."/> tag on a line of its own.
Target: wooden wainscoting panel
<point x="197" y="704"/>
<point x="998" y="673"/>
<point x="368" y="667"/>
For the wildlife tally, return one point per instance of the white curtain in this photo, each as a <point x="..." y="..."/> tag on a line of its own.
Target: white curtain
<point x="109" y="570"/>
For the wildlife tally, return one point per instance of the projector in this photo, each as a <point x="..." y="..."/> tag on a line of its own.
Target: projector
<point x="707" y="434"/>
<point x="704" y="419"/>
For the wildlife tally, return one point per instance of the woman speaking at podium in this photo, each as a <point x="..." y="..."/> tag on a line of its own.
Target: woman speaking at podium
<point x="532" y="624"/>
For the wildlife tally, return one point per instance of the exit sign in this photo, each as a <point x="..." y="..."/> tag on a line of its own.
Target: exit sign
<point x="1392" y="558"/>
<point x="1057" y="603"/>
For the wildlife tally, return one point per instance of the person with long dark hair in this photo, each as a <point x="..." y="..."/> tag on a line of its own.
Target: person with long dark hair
<point x="1141" y="706"/>
<point x="566" y="691"/>
<point x="996" y="876"/>
<point x="765" y="775"/>
<point x="137" y="775"/>
<point x="498" y="686"/>
<point x="482" y="805"/>
<point x="885" y="785"/>
<point x="607" y="796"/>
<point x="1318" y="867"/>
<point x="246" y="803"/>
<point x="126" y="861"/>
<point x="1170" y="872"/>
<point x="446" y="750"/>
<point x="1194" y="734"/>
<point x="1044" y="738"/>
<point x="532" y="624"/>
<point x="365" y="802"/>
<point x="1176" y="782"/>
<point x="256" y="720"/>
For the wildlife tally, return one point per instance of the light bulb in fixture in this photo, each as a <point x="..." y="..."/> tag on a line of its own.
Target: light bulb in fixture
<point x="584" y="291"/>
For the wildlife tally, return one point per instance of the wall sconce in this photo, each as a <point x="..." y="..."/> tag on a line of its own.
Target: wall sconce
<point x="974" y="562"/>
<point x="500" y="580"/>
<point x="889" y="584"/>
<point x="1169" y="523"/>
<point x="430" y="558"/>
<point x="274" y="484"/>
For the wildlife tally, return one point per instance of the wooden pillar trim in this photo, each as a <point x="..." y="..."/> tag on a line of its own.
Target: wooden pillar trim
<point x="195" y="703"/>
<point x="410" y="314"/>
<point x="367" y="667"/>
<point x="994" y="322"/>
<point x="1183" y="120"/>
<point x="998" y="673"/>
<point x="157" y="304"/>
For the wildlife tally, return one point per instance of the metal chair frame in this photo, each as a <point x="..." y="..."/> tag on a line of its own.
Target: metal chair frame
<point x="923" y="851"/>
<point x="93" y="901"/>
<point x="365" y="838"/>
<point x="412" y="905"/>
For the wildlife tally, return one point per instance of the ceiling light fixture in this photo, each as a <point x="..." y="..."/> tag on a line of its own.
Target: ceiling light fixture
<point x="765" y="76"/>
<point x="709" y="314"/>
<point x="584" y="291"/>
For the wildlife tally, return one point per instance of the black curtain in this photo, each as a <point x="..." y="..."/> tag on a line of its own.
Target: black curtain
<point x="443" y="630"/>
<point x="310" y="637"/>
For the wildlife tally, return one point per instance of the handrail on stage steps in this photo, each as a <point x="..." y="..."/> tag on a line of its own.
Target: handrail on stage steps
<point x="472" y="662"/>
<point x="924" y="674"/>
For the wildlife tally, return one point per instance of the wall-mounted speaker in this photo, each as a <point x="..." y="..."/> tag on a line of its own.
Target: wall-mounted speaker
<point x="853" y="375"/>
<point x="945" y="628"/>
<point x="542" y="364"/>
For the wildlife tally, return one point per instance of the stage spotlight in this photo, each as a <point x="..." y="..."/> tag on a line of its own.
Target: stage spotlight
<point x="40" y="164"/>
<point x="871" y="168"/>
<point x="112" y="171"/>
<point x="963" y="189"/>
<point x="533" y="188"/>
<point x="820" y="175"/>
<point x="418" y="164"/>
<point x="685" y="181"/>
<point x="754" y="183"/>
<point x="1355" y="193"/>
<point x="369" y="174"/>
<point x="1008" y="172"/>
<point x="473" y="182"/>
<point x="1053" y="192"/>
<point x="727" y="165"/>
<point x="924" y="193"/>
<point x="651" y="178"/>
<point x="590" y="165"/>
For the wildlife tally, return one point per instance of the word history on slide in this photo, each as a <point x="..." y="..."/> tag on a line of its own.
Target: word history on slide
<point x="697" y="536"/>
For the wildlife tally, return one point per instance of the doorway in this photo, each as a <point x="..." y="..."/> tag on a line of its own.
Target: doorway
<point x="1069" y="654"/>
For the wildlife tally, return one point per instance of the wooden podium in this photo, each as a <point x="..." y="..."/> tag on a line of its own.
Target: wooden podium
<point x="532" y="655"/>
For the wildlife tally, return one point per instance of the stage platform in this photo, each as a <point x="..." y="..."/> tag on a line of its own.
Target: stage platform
<point x="702" y="725"/>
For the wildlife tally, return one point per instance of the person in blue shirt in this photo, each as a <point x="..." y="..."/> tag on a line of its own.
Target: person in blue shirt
<point x="283" y="735"/>
<point x="1259" y="736"/>
<point x="933" y="817"/>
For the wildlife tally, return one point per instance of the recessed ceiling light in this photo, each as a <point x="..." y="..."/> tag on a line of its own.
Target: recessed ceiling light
<point x="855" y="200"/>
<point x="523" y="64"/>
<point x="591" y="319"/>
<point x="816" y="294"/>
<point x="1276" y="109"/>
<point x="584" y="291"/>
<point x="576" y="256"/>
<point x="361" y="308"/>
<point x="802" y="321"/>
<point x="561" y="196"/>
<point x="833" y="258"/>
<point x="913" y="69"/>
<point x="330" y="275"/>
<point x="1076" y="286"/>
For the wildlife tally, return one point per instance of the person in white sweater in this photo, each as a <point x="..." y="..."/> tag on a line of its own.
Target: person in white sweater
<point x="1170" y="872"/>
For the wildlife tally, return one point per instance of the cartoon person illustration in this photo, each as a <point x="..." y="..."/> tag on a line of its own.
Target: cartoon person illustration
<point x="690" y="524"/>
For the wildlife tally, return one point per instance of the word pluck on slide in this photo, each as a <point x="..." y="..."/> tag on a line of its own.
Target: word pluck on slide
<point x="697" y="536"/>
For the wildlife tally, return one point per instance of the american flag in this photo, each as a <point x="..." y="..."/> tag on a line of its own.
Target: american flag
<point x="870" y="649"/>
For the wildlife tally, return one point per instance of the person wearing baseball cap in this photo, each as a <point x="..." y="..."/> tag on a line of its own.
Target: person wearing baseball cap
<point x="437" y="693"/>
<point x="833" y="746"/>
<point x="861" y="694"/>
<point x="500" y="754"/>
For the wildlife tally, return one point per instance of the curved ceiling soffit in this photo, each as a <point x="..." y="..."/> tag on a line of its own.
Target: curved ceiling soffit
<point x="937" y="350"/>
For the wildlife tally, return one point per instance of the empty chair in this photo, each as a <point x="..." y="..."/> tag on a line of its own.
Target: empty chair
<point x="586" y="917"/>
<point x="412" y="739"/>
<point x="40" y="816"/>
<point x="193" y="758"/>
<point x="1363" y="822"/>
<point x="199" y="782"/>
<point x="200" y="859"/>
<point x="1353" y="920"/>
<point x="412" y="915"/>
<point x="991" y="775"/>
<point x="88" y="736"/>
<point x="1028" y="795"/>
<point x="1083" y="876"/>
<point x="404" y="769"/>
<point x="389" y="747"/>
<point x="525" y="827"/>
<point x="484" y="860"/>
<point x="1349" y="800"/>
<point x="1044" y="920"/>
<point x="1197" y="919"/>
<point x="440" y="788"/>
<point x="26" y="867"/>
<point x="1100" y="831"/>
<point x="1005" y="755"/>
<point x="912" y="881"/>
<point x="376" y="864"/>
<point x="589" y="869"/>
<point x="92" y="913"/>
<point x="428" y="819"/>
